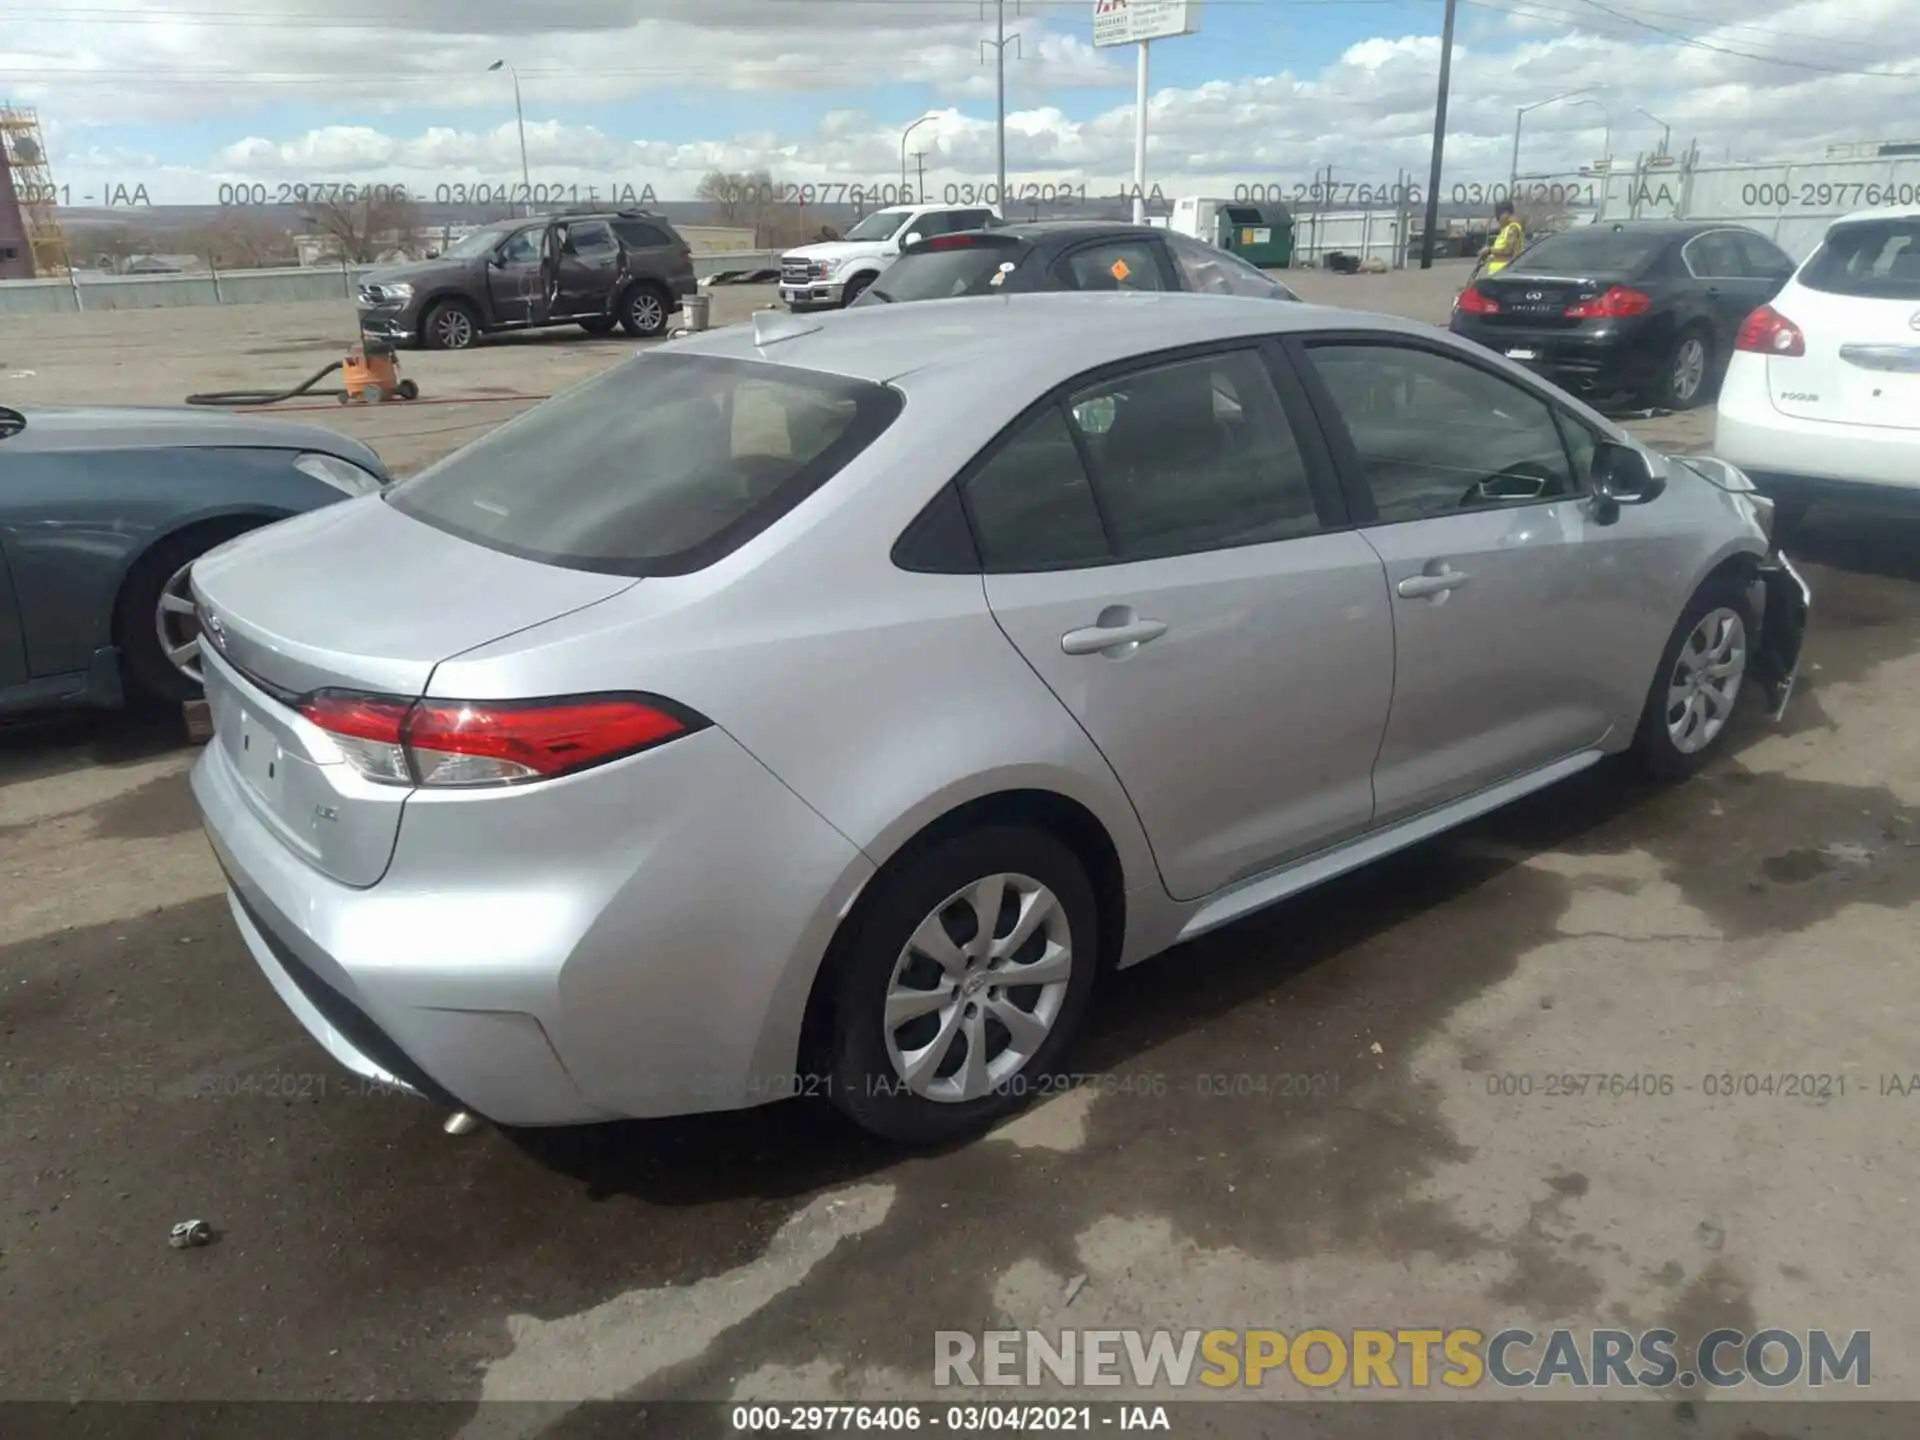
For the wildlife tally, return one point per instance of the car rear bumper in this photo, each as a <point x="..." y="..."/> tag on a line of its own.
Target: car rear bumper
<point x="640" y="944"/>
<point x="1596" y="361"/>
<point x="1786" y="455"/>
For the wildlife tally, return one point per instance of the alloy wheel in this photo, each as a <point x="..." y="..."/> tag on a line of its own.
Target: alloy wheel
<point x="1706" y="680"/>
<point x="456" y="330"/>
<point x="646" y="311"/>
<point x="1689" y="368"/>
<point x="177" y="623"/>
<point x="977" y="988"/>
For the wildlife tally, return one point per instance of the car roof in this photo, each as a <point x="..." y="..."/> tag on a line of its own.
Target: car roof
<point x="1037" y="230"/>
<point x="1882" y="212"/>
<point x="1046" y="336"/>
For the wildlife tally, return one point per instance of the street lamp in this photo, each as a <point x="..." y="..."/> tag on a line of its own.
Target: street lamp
<point x="520" y="116"/>
<point x="1666" y="130"/>
<point x="1606" y="143"/>
<point x="930" y="115"/>
<point x="1513" y="180"/>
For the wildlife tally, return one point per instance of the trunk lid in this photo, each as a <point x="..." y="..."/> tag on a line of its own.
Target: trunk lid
<point x="356" y="597"/>
<point x="1862" y="365"/>
<point x="1539" y="302"/>
<point x="1857" y="304"/>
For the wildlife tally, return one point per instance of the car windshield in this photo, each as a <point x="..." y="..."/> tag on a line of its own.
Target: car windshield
<point x="969" y="269"/>
<point x="1870" y="259"/>
<point x="1584" y="251"/>
<point x="658" y="466"/>
<point x="473" y="246"/>
<point x="881" y="225"/>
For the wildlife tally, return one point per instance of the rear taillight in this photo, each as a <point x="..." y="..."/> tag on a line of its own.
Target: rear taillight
<point x="449" y="743"/>
<point x="1475" y="301"/>
<point x="1767" y="332"/>
<point x="1617" y="304"/>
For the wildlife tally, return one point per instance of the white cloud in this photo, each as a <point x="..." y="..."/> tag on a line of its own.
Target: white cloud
<point x="1368" y="114"/>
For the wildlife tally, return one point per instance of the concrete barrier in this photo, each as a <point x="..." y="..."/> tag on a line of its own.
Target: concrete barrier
<point x="68" y="293"/>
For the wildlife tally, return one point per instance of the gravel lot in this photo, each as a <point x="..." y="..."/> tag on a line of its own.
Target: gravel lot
<point x="1756" y="921"/>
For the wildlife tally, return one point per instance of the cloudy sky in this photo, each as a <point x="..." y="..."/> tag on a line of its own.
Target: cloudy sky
<point x="186" y="97"/>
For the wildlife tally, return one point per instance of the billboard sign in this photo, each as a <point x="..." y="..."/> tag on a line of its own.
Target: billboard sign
<point x="1128" y="22"/>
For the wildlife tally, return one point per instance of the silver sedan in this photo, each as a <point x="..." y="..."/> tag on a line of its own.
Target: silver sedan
<point x="825" y="705"/>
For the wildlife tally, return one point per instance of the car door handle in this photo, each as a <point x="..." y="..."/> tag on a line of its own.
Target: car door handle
<point x="1416" y="586"/>
<point x="1095" y="639"/>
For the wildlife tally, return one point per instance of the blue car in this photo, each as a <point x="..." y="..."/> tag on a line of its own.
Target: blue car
<point x="103" y="511"/>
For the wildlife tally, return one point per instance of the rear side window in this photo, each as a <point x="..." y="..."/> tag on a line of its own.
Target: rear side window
<point x="659" y="466"/>
<point x="639" y="235"/>
<point x="590" y="237"/>
<point x="1112" y="265"/>
<point x="1715" y="256"/>
<point x="971" y="269"/>
<point x="1870" y="259"/>
<point x="1031" y="504"/>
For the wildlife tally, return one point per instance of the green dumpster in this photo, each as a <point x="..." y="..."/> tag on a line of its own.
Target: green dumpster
<point x="1259" y="235"/>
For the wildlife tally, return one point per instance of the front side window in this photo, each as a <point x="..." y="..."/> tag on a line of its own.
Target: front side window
<point x="522" y="249"/>
<point x="656" y="466"/>
<point x="1214" y="271"/>
<point x="1436" y="436"/>
<point x="881" y="225"/>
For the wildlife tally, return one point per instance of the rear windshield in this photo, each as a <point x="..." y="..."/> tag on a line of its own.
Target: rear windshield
<point x="1873" y="259"/>
<point x="1581" y="252"/>
<point x="943" y="273"/>
<point x="659" y="466"/>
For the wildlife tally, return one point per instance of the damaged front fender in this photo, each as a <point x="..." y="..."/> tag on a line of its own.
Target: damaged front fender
<point x="1783" y="630"/>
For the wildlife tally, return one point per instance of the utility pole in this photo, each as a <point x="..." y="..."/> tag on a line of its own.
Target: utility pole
<point x="999" y="45"/>
<point x="1439" y="139"/>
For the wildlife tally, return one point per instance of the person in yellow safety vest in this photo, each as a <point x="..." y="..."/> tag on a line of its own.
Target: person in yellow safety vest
<point x="1507" y="244"/>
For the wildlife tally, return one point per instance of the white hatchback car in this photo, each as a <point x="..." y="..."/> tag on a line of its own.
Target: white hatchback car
<point x="1822" y="396"/>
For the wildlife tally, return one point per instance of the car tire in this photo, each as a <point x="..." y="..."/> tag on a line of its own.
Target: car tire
<point x="146" y="668"/>
<point x="1718" y="620"/>
<point x="933" y="894"/>
<point x="855" y="288"/>
<point x="450" y="325"/>
<point x="599" y="325"/>
<point x="1685" y="378"/>
<point x="644" y="310"/>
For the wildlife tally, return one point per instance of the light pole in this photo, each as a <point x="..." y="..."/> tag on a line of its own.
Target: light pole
<point x="1666" y="130"/>
<point x="1513" y="179"/>
<point x="520" y="118"/>
<point x="1606" y="143"/>
<point x="930" y="115"/>
<point x="1439" y="137"/>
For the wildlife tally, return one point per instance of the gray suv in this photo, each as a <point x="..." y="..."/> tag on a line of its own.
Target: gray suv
<point x="595" y="269"/>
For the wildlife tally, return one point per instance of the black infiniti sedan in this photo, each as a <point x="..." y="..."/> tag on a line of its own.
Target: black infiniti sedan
<point x="1065" y="255"/>
<point x="1645" y="308"/>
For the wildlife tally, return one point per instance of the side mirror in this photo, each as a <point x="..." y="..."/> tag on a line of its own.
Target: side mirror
<point x="913" y="238"/>
<point x="1623" y="475"/>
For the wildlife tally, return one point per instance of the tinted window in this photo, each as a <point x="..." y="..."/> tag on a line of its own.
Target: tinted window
<point x="522" y="248"/>
<point x="591" y="237"/>
<point x="1031" y="504"/>
<point x="1214" y="271"/>
<point x="1195" y="456"/>
<point x="1112" y="265"/>
<point x="1436" y="436"/>
<point x="657" y="466"/>
<point x="1763" y="258"/>
<point x="973" y="220"/>
<point x="1714" y="255"/>
<point x="1874" y="259"/>
<point x="943" y="274"/>
<point x="639" y="235"/>
<point x="1595" y="248"/>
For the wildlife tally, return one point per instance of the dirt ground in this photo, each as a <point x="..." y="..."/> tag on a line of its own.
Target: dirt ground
<point x="1758" y="921"/>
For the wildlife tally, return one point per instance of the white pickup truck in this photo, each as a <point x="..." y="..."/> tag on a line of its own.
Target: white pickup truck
<point x="832" y="273"/>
